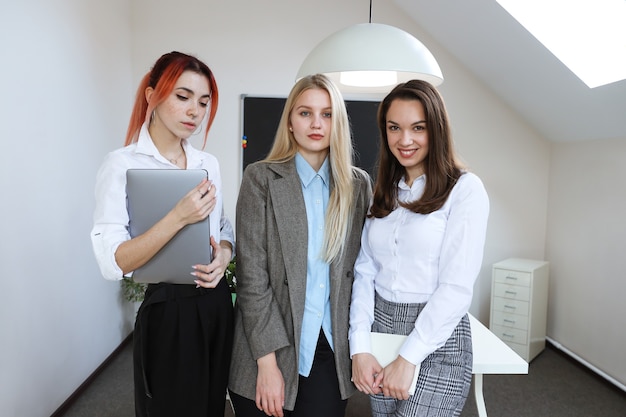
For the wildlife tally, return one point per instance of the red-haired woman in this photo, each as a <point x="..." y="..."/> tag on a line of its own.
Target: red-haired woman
<point x="183" y="333"/>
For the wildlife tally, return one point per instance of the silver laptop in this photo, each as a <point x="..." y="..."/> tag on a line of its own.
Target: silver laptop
<point x="152" y="193"/>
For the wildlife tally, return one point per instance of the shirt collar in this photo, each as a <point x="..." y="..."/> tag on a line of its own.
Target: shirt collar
<point x="419" y="180"/>
<point x="307" y="173"/>
<point x="146" y="146"/>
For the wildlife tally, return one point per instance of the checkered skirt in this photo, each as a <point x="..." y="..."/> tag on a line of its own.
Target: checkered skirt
<point x="445" y="375"/>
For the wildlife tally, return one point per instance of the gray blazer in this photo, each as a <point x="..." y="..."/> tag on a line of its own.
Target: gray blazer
<point x="271" y="277"/>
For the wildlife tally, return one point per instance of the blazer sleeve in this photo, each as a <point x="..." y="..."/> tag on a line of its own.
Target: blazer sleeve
<point x="263" y="323"/>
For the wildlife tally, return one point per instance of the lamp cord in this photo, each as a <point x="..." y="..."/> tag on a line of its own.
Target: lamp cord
<point x="370" y="11"/>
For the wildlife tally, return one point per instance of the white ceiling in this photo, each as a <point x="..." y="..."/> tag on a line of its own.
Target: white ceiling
<point x="518" y="69"/>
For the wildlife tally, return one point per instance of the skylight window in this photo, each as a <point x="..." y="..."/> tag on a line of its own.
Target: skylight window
<point x="588" y="36"/>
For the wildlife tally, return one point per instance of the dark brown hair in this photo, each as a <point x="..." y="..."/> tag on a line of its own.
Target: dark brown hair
<point x="440" y="165"/>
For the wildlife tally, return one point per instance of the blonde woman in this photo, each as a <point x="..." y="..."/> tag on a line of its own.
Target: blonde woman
<point x="300" y="214"/>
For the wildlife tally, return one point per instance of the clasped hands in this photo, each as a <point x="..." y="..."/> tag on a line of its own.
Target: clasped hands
<point x="392" y="381"/>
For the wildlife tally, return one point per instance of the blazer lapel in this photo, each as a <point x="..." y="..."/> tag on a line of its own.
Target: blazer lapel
<point x="338" y="268"/>
<point x="290" y="212"/>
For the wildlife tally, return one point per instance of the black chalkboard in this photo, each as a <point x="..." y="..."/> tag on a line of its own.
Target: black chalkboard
<point x="262" y="114"/>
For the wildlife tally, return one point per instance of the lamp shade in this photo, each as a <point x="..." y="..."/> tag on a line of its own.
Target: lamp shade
<point x="356" y="56"/>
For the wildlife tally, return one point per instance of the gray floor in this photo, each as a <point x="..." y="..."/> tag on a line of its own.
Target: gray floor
<point x="555" y="386"/>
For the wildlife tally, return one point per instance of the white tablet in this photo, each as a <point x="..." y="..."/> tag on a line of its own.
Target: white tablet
<point x="386" y="348"/>
<point x="151" y="194"/>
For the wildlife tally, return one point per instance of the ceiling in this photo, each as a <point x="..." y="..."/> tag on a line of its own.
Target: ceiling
<point x="492" y="45"/>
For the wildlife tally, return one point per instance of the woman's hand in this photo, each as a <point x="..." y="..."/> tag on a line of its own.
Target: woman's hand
<point x="210" y="275"/>
<point x="366" y="373"/>
<point x="196" y="205"/>
<point x="270" y="386"/>
<point x="193" y="207"/>
<point x="397" y="379"/>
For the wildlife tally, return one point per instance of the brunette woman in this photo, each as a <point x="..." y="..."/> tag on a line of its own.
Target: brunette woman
<point x="421" y="252"/>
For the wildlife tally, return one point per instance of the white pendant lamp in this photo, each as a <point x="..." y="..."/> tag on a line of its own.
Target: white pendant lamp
<point x="371" y="58"/>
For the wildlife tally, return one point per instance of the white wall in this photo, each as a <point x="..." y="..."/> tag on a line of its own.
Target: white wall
<point x="65" y="82"/>
<point x="512" y="160"/>
<point x="586" y="243"/>
<point x="70" y="100"/>
<point x="256" y="49"/>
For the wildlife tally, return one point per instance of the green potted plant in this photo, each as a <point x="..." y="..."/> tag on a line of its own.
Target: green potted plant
<point x="229" y="274"/>
<point x="134" y="291"/>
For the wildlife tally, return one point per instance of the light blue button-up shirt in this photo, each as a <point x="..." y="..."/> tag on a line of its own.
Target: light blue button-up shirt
<point x="316" y="191"/>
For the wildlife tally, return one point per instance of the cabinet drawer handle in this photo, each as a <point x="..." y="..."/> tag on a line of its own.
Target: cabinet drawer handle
<point x="510" y="277"/>
<point x="511" y="307"/>
<point x="509" y="321"/>
<point x="511" y="292"/>
<point x="510" y="336"/>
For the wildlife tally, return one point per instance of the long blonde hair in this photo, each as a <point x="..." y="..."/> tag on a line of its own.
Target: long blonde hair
<point x="340" y="205"/>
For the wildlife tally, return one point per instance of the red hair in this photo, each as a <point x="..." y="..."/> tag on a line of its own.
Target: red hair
<point x="162" y="78"/>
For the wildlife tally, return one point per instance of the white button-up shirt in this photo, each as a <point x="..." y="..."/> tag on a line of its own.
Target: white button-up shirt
<point x="421" y="258"/>
<point x="111" y="216"/>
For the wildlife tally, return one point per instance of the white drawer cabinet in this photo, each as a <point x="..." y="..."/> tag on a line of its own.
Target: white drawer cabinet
<point x="519" y="304"/>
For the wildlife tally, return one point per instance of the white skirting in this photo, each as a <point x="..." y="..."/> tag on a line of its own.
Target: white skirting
<point x="587" y="364"/>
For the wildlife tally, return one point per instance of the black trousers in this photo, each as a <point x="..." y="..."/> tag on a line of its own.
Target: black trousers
<point x="318" y="394"/>
<point x="182" y="347"/>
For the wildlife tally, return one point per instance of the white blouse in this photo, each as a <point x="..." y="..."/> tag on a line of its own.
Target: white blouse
<point x="111" y="216"/>
<point x="421" y="258"/>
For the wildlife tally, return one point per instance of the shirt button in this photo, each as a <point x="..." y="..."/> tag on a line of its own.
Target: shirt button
<point x="321" y="285"/>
